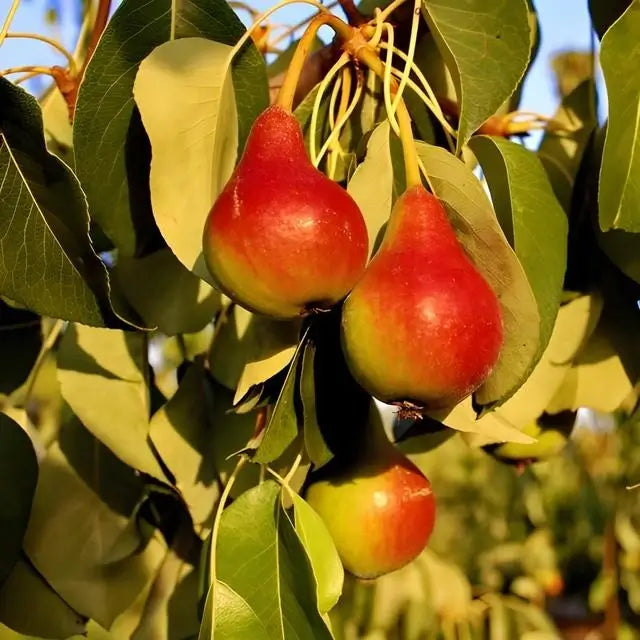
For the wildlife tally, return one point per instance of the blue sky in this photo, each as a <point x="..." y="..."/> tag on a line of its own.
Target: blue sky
<point x="565" y="25"/>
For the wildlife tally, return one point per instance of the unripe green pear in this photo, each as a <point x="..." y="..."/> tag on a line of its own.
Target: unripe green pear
<point x="379" y="508"/>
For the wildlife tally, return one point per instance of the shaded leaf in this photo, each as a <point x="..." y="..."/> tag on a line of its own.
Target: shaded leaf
<point x="623" y="249"/>
<point x="619" y="194"/>
<point x="322" y="553"/>
<point x="605" y="12"/>
<point x="315" y="446"/>
<point x="102" y="376"/>
<point x="532" y="219"/>
<point x="20" y="341"/>
<point x="83" y="534"/>
<point x="480" y="234"/>
<point x="371" y="186"/>
<point x="561" y="150"/>
<point x="112" y="151"/>
<point x="486" y="44"/>
<point x="18" y="476"/>
<point x="48" y="264"/>
<point x="181" y="433"/>
<point x="282" y="428"/>
<point x="265" y="564"/>
<point x="166" y="294"/>
<point x="30" y="606"/>
<point x="187" y="83"/>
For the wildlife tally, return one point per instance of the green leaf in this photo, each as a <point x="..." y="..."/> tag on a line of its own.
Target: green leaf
<point x="314" y="443"/>
<point x="111" y="148"/>
<point x="83" y="534"/>
<point x="266" y="564"/>
<point x="165" y="294"/>
<point x="282" y="428"/>
<point x="561" y="151"/>
<point x="322" y="552"/>
<point x="533" y="221"/>
<point x="187" y="83"/>
<point x="623" y="249"/>
<point x="480" y="234"/>
<point x="102" y="376"/>
<point x="250" y="349"/>
<point x="181" y="433"/>
<point x="619" y="192"/>
<point x="234" y="619"/>
<point x="486" y="44"/>
<point x="372" y="184"/>
<point x="18" y="476"/>
<point x="30" y="606"/>
<point x="48" y="264"/>
<point x="20" y="341"/>
<point x="575" y="322"/>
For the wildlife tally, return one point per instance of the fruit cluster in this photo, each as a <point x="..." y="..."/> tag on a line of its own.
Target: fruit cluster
<point x="421" y="328"/>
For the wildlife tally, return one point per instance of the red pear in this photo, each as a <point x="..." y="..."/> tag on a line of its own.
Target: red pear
<point x="379" y="509"/>
<point x="422" y="328"/>
<point x="282" y="239"/>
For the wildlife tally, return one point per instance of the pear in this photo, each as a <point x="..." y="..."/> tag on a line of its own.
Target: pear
<point x="379" y="507"/>
<point x="422" y="329"/>
<point x="282" y="239"/>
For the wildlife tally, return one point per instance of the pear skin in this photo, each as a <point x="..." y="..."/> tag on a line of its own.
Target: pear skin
<point x="422" y="328"/>
<point x="379" y="508"/>
<point x="282" y="239"/>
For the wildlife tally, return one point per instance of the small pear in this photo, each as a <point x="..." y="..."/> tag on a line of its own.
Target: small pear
<point x="422" y="328"/>
<point x="379" y="508"/>
<point x="282" y="239"/>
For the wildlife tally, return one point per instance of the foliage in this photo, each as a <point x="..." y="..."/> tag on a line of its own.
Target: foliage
<point x="156" y="437"/>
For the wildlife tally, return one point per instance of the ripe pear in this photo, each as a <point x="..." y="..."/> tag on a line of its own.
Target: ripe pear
<point x="282" y="239"/>
<point x="422" y="328"/>
<point x="378" y="507"/>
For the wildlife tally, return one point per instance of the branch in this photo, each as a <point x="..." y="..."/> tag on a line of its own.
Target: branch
<point x="352" y="12"/>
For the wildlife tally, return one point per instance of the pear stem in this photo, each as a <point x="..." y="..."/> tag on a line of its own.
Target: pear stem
<point x="368" y="56"/>
<point x="288" y="89"/>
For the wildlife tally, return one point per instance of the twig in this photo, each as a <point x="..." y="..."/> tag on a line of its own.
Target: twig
<point x="352" y="12"/>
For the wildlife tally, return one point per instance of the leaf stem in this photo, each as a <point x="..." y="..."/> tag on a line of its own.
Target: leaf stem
<point x="174" y="13"/>
<point x="51" y="42"/>
<point x="368" y="56"/>
<point x="215" y="531"/>
<point x="287" y="90"/>
<point x="8" y="20"/>
<point x="28" y="69"/>
<point x="390" y="9"/>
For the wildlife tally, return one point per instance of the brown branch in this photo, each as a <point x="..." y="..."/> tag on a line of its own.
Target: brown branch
<point x="352" y="12"/>
<point x="69" y="84"/>
<point x="611" y="623"/>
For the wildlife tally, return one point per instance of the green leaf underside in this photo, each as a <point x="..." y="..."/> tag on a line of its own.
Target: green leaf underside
<point x="282" y="428"/>
<point x="372" y="184"/>
<point x="619" y="192"/>
<point x="18" y="476"/>
<point x="486" y="44"/>
<point x="187" y="82"/>
<point x="48" y="263"/>
<point x="480" y="234"/>
<point x="107" y="130"/>
<point x="266" y="564"/>
<point x="533" y="221"/>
